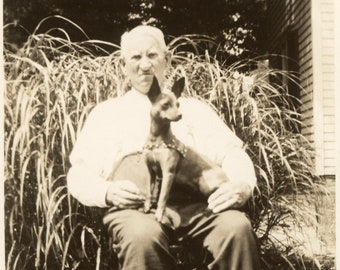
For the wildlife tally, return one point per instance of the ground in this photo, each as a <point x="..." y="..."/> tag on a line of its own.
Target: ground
<point x="319" y="242"/>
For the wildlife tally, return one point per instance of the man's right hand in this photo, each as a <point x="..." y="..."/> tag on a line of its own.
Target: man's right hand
<point x="124" y="194"/>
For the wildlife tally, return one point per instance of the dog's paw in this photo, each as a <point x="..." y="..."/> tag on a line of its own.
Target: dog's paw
<point x="159" y="214"/>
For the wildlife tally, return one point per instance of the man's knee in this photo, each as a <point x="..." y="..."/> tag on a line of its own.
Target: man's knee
<point x="233" y="223"/>
<point x="232" y="242"/>
<point x="135" y="228"/>
<point x="139" y="241"/>
<point x="144" y="232"/>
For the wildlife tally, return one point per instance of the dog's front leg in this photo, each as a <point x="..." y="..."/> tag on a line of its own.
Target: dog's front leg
<point x="167" y="180"/>
<point x="168" y="164"/>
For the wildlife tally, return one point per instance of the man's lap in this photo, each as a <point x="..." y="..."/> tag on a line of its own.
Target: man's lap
<point x="203" y="235"/>
<point x="184" y="222"/>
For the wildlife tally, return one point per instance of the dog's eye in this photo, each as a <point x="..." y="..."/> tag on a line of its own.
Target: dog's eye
<point x="165" y="105"/>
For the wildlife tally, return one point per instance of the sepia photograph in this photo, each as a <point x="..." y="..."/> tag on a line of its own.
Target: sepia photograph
<point x="169" y="134"/>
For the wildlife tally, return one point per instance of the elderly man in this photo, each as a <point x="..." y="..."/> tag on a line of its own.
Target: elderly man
<point x="118" y="127"/>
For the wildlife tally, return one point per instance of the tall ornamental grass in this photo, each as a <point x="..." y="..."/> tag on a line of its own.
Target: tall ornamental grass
<point x="52" y="84"/>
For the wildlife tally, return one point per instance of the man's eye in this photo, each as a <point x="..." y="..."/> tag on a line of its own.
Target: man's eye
<point x="135" y="57"/>
<point x="152" y="55"/>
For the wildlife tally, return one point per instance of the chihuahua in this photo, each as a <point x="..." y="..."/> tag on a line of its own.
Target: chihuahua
<point x="168" y="158"/>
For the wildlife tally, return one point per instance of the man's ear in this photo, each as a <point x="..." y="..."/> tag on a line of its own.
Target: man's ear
<point x="122" y="64"/>
<point x="154" y="90"/>
<point x="167" y="57"/>
<point x="178" y="87"/>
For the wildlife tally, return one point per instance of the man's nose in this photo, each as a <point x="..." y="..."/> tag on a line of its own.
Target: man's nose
<point x="145" y="64"/>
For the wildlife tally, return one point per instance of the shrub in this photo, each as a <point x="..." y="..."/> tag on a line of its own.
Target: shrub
<point x="51" y="85"/>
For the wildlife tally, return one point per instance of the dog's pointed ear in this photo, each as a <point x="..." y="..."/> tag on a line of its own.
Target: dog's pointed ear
<point x="178" y="87"/>
<point x="154" y="90"/>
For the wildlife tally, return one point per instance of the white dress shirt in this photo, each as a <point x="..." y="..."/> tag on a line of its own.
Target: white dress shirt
<point x="120" y="126"/>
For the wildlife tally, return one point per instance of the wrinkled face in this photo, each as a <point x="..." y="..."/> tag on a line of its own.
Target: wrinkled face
<point x="142" y="60"/>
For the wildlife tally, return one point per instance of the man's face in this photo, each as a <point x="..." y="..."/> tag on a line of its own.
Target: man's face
<point x="144" y="59"/>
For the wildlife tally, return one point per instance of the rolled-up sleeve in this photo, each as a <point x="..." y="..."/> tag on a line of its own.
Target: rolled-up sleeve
<point x="113" y="129"/>
<point x="84" y="179"/>
<point x="85" y="186"/>
<point x="239" y="167"/>
<point x="216" y="140"/>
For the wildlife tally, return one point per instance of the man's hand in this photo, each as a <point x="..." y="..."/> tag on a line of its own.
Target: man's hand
<point x="229" y="195"/>
<point x="124" y="194"/>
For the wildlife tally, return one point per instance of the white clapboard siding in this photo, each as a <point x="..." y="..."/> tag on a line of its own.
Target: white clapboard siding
<point x="325" y="133"/>
<point x="313" y="21"/>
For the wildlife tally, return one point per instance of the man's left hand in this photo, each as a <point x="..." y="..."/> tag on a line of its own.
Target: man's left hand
<point x="229" y="195"/>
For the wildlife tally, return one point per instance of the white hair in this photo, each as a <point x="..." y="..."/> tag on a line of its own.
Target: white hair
<point x="142" y="30"/>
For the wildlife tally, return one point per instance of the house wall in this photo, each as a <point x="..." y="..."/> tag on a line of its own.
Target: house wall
<point x="323" y="10"/>
<point x="310" y="23"/>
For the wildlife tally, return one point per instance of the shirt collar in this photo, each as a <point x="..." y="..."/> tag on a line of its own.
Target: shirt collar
<point x="135" y="93"/>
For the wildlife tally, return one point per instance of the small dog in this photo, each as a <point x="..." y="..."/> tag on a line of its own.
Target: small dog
<point x="165" y="159"/>
<point x="170" y="159"/>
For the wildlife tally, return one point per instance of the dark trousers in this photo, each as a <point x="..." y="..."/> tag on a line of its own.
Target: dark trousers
<point x="141" y="242"/>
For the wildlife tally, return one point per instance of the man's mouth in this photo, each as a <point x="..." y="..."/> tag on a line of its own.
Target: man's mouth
<point x="146" y="74"/>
